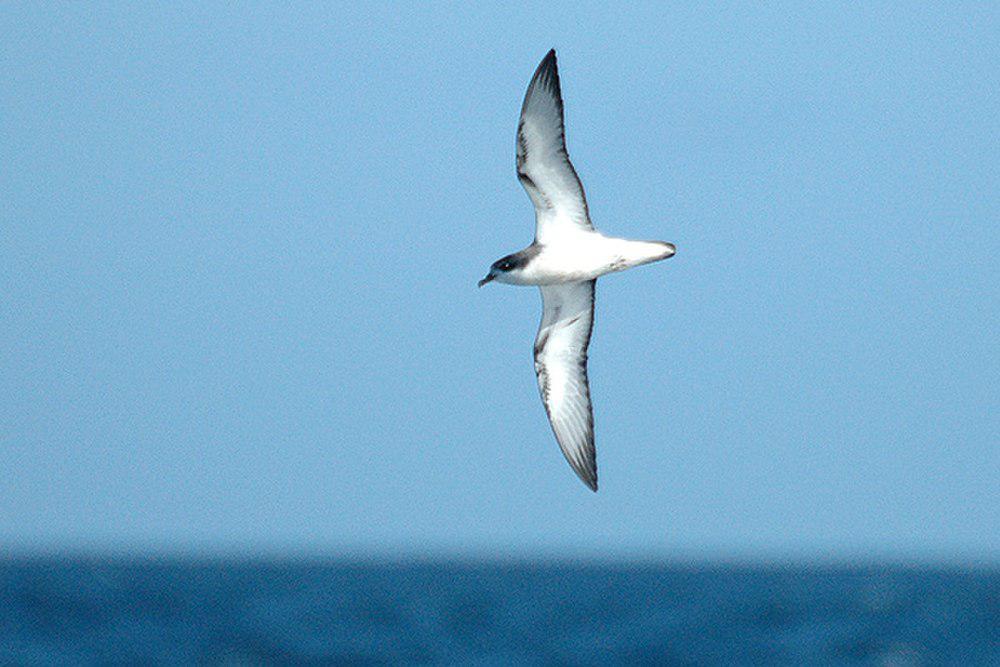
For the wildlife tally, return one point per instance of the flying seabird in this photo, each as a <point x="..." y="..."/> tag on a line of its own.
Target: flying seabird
<point x="564" y="261"/>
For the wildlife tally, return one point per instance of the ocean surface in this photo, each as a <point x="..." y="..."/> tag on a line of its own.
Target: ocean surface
<point x="93" y="611"/>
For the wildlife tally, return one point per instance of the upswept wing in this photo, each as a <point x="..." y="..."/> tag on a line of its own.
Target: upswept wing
<point x="561" y="366"/>
<point x="543" y="166"/>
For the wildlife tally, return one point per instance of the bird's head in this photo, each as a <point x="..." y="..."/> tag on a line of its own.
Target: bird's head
<point x="499" y="270"/>
<point x="509" y="269"/>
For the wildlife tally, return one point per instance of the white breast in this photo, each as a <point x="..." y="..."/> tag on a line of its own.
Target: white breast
<point x="588" y="255"/>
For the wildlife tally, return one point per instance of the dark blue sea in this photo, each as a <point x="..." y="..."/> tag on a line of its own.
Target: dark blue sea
<point x="95" y="611"/>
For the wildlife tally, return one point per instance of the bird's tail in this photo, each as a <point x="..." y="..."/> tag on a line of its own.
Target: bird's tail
<point x="636" y="253"/>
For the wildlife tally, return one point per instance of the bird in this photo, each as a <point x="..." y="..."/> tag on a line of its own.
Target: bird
<point x="564" y="261"/>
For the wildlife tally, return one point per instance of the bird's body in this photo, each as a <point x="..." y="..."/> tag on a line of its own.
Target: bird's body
<point x="583" y="255"/>
<point x="564" y="261"/>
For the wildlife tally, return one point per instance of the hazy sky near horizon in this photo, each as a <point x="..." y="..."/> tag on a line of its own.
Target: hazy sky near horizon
<point x="239" y="247"/>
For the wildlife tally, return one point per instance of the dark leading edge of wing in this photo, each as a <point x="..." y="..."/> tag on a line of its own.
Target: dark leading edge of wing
<point x="543" y="166"/>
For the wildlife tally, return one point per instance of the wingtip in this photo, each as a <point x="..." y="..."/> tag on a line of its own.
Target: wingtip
<point x="589" y="478"/>
<point x="586" y="474"/>
<point x="547" y="74"/>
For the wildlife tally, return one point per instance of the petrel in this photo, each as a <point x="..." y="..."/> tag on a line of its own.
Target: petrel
<point x="564" y="261"/>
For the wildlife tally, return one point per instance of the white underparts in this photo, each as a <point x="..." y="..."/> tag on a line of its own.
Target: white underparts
<point x="585" y="256"/>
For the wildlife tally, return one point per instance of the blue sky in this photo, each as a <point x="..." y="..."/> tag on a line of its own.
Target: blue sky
<point x="239" y="247"/>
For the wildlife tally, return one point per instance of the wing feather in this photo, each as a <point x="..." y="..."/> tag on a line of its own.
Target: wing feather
<point x="561" y="366"/>
<point x="543" y="165"/>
